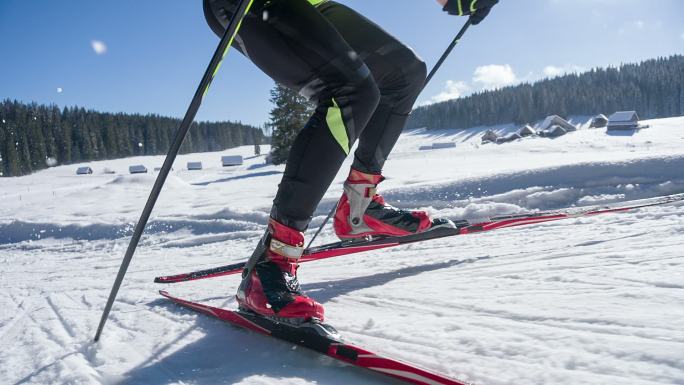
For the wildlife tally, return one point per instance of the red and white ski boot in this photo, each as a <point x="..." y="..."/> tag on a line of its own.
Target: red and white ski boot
<point x="362" y="212"/>
<point x="269" y="285"/>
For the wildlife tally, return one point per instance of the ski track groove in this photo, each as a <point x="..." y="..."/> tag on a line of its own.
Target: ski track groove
<point x="586" y="325"/>
<point x="531" y="259"/>
<point x="156" y="357"/>
<point x="38" y="371"/>
<point x="51" y="337"/>
<point x="60" y="318"/>
<point x="9" y="325"/>
<point x="494" y="355"/>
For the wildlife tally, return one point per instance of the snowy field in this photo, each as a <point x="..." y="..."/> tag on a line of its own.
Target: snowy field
<point x="584" y="301"/>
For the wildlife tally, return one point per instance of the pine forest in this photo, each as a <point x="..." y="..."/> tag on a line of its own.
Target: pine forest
<point x="653" y="88"/>
<point x="34" y="137"/>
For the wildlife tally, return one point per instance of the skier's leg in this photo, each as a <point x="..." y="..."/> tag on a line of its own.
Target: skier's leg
<point x="300" y="49"/>
<point x="295" y="45"/>
<point x="400" y="76"/>
<point x="399" y="73"/>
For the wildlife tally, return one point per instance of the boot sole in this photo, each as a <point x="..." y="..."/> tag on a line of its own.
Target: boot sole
<point x="444" y="223"/>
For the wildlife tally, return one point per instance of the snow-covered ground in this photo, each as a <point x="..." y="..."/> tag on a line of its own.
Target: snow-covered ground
<point x="593" y="300"/>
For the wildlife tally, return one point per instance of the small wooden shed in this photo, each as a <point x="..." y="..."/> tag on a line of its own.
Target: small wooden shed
<point x="443" y="145"/>
<point x="137" y="169"/>
<point x="508" y="138"/>
<point x="599" y="121"/>
<point x="623" y="120"/>
<point x="527" y="130"/>
<point x="489" y="137"/>
<point x="553" y="132"/>
<point x="194" y="166"/>
<point x="232" y="160"/>
<point x="84" y="170"/>
<point x="555" y="120"/>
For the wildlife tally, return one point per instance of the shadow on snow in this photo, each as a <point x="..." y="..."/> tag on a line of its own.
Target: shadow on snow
<point x="230" y="355"/>
<point x="239" y="177"/>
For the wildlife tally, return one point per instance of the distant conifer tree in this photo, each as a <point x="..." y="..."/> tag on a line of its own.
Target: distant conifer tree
<point x="290" y="113"/>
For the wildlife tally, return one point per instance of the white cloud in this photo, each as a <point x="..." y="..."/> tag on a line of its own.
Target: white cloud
<point x="639" y="24"/>
<point x="682" y="35"/>
<point x="452" y="90"/>
<point x="494" y="76"/>
<point x="554" y="71"/>
<point x="485" y="77"/>
<point x="99" y="47"/>
<point x="60" y="90"/>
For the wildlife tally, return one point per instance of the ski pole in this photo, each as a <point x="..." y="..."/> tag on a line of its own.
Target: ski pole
<point x="446" y="53"/>
<point x="330" y="214"/>
<point x="429" y="77"/>
<point x="215" y="63"/>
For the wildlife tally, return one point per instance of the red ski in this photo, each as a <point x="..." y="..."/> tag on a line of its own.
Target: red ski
<point x="323" y="339"/>
<point x="462" y="227"/>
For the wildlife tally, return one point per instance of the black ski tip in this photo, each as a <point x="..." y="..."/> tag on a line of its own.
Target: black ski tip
<point x="347" y="353"/>
<point x="442" y="223"/>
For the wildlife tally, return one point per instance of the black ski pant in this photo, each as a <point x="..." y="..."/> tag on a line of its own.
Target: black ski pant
<point x="363" y="80"/>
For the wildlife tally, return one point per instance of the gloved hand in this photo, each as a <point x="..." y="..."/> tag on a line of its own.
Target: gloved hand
<point x="477" y="9"/>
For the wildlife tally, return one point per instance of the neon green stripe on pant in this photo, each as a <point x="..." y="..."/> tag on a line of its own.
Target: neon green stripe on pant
<point x="336" y="126"/>
<point x="315" y="3"/>
<point x="230" y="44"/>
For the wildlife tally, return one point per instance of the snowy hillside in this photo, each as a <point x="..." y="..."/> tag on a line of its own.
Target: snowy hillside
<point x="595" y="300"/>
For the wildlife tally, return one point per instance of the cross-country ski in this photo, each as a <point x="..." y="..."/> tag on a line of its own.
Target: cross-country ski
<point x="322" y="339"/>
<point x="342" y="192"/>
<point x="463" y="227"/>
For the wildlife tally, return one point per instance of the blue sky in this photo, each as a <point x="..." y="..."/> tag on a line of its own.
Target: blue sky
<point x="148" y="56"/>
